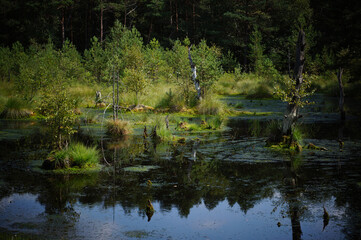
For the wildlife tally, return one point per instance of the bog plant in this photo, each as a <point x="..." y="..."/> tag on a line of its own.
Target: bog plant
<point x="118" y="128"/>
<point x="75" y="155"/>
<point x="15" y="108"/>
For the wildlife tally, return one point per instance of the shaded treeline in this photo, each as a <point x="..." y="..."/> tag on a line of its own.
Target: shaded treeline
<point x="332" y="27"/>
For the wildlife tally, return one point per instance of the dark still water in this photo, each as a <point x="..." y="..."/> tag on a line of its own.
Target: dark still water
<point x="223" y="185"/>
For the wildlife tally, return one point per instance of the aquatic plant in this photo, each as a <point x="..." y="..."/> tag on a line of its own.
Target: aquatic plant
<point x="162" y="131"/>
<point x="118" y="128"/>
<point x="83" y="156"/>
<point x="216" y="122"/>
<point x="297" y="134"/>
<point x="15" y="108"/>
<point x="76" y="155"/>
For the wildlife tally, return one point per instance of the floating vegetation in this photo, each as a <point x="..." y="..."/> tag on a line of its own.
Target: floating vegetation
<point x="140" y="168"/>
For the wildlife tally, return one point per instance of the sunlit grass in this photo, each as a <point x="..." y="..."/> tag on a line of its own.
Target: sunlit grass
<point x="118" y="128"/>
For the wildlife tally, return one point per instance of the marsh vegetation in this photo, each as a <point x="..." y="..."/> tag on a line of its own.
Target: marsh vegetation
<point x="162" y="120"/>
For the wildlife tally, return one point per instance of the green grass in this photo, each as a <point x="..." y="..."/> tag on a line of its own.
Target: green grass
<point x="76" y="155"/>
<point x="211" y="105"/>
<point x="82" y="156"/>
<point x="162" y="131"/>
<point x="15" y="108"/>
<point x="297" y="134"/>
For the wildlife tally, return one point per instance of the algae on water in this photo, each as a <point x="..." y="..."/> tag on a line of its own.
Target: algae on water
<point x="140" y="168"/>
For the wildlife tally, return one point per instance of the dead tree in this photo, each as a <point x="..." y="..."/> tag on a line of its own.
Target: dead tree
<point x="342" y="94"/>
<point x="194" y="74"/>
<point x="292" y="113"/>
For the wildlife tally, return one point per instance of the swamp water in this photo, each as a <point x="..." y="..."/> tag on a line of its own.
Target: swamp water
<point x="220" y="185"/>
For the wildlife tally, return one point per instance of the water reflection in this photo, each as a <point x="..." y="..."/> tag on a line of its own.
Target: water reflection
<point x="218" y="187"/>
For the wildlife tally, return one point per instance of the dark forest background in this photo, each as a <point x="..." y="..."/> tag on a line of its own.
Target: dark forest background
<point x="333" y="28"/>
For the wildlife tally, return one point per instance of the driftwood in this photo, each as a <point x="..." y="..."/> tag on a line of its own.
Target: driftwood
<point x="342" y="94"/>
<point x="292" y="113"/>
<point x="194" y="74"/>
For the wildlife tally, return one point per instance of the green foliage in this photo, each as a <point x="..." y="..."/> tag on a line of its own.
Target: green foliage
<point x="170" y="101"/>
<point x="41" y="68"/>
<point x="118" y="128"/>
<point x="208" y="63"/>
<point x="286" y="90"/>
<point x="155" y="65"/>
<point x="297" y="134"/>
<point x="6" y="63"/>
<point x="256" y="50"/>
<point x="262" y="91"/>
<point x="135" y="81"/>
<point x="210" y="105"/>
<point x="82" y="156"/>
<point x="15" y="108"/>
<point x="58" y="109"/>
<point x="229" y="62"/>
<point x="215" y="122"/>
<point x="178" y="61"/>
<point x="95" y="59"/>
<point x="124" y="50"/>
<point x="76" y="155"/>
<point x="158" y="122"/>
<point x="71" y="63"/>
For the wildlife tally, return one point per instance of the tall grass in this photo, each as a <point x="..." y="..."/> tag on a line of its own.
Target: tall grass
<point x="83" y="156"/>
<point x="210" y="105"/>
<point x="76" y="155"/>
<point x="249" y="84"/>
<point x="163" y="132"/>
<point x="118" y="128"/>
<point x="15" y="108"/>
<point x="297" y="134"/>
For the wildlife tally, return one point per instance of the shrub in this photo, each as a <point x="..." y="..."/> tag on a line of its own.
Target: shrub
<point x="15" y="108"/>
<point x="118" y="128"/>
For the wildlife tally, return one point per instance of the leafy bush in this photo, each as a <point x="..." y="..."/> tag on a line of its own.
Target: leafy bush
<point x="118" y="128"/>
<point x="15" y="108"/>
<point x="58" y="109"/>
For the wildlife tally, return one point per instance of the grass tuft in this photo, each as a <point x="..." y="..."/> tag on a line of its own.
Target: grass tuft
<point x="83" y="156"/>
<point x="15" y="108"/>
<point x="210" y="105"/>
<point x="118" y="128"/>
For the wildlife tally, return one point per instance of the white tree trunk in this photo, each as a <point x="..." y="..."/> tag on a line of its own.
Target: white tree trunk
<point x="194" y="74"/>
